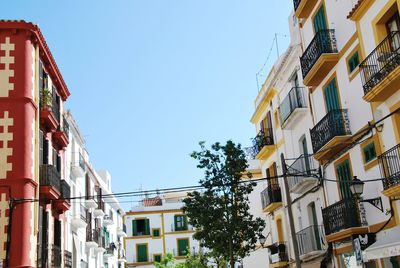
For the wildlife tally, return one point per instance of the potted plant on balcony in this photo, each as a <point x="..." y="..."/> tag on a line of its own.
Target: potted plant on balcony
<point x="46" y="99"/>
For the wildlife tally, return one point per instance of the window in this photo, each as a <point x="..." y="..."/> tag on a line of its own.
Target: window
<point x="369" y="152"/>
<point x="180" y="222"/>
<point x="183" y="246"/>
<point x="331" y="96"/>
<point x="140" y="227"/>
<point x="157" y="257"/>
<point x="353" y="61"/>
<point x="141" y="252"/>
<point x="156" y="232"/>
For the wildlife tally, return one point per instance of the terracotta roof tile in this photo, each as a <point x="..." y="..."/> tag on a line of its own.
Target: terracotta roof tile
<point x="354" y="9"/>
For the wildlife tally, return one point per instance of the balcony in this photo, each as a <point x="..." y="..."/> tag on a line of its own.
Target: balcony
<point x="110" y="250"/>
<point x="92" y="237"/>
<point x="306" y="174"/>
<point x="121" y="231"/>
<point x="292" y="108"/>
<point x="99" y="211"/>
<point x="303" y="8"/>
<point x="79" y="220"/>
<point x="55" y="256"/>
<point x="342" y="219"/>
<point x="108" y="219"/>
<point x="78" y="165"/>
<point x="63" y="203"/>
<point x="319" y="58"/>
<point x="271" y="198"/>
<point x="311" y="242"/>
<point x="61" y="136"/>
<point x="263" y="145"/>
<point x="50" y="182"/>
<point x="380" y="71"/>
<point x="331" y="134"/>
<point x="101" y="245"/>
<point x="278" y="256"/>
<point x="67" y="259"/>
<point x="121" y="255"/>
<point x="49" y="112"/>
<point x="389" y="163"/>
<point x="90" y="202"/>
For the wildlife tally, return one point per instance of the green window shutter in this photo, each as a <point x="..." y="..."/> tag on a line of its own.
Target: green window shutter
<point x="147" y="227"/>
<point x="320" y="20"/>
<point x="331" y="96"/>
<point x="353" y="62"/>
<point x="344" y="174"/>
<point x="183" y="245"/>
<point x="142" y="253"/>
<point x="134" y="228"/>
<point x="176" y="222"/>
<point x="157" y="258"/>
<point x="185" y="222"/>
<point x="156" y="232"/>
<point x="369" y="152"/>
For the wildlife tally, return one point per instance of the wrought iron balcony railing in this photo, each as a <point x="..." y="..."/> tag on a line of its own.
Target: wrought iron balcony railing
<point x="335" y="123"/>
<point x="82" y="212"/>
<point x="67" y="259"/>
<point x="296" y="3"/>
<point x="295" y="99"/>
<point x="55" y="256"/>
<point x="92" y="235"/>
<point x="271" y="194"/>
<point x="65" y="190"/>
<point x="311" y="239"/>
<point x="65" y="127"/>
<point x="278" y="253"/>
<point x="389" y="163"/>
<point x="263" y="138"/>
<point x="381" y="61"/>
<point x="324" y="41"/>
<point x="55" y="108"/>
<point x="303" y="167"/>
<point x="341" y="215"/>
<point x="81" y="161"/>
<point x="49" y="176"/>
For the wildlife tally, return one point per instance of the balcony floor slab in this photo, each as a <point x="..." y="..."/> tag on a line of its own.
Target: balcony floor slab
<point x="336" y="144"/>
<point x="386" y="88"/>
<point x="346" y="233"/>
<point x="320" y="69"/>
<point x="304" y="9"/>
<point x="266" y="152"/>
<point x="271" y="207"/>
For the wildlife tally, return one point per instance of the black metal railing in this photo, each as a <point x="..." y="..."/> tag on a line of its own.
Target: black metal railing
<point x="335" y="123"/>
<point x="49" y="176"/>
<point x="389" y="163"/>
<point x="381" y="61"/>
<point x="67" y="259"/>
<point x="65" y="190"/>
<point x="295" y="99"/>
<point x="278" y="253"/>
<point x="271" y="194"/>
<point x="263" y="138"/>
<point x="341" y="215"/>
<point x="110" y="250"/>
<point x="64" y="127"/>
<point x="300" y="169"/>
<point x="311" y="239"/>
<point x="55" y="108"/>
<point x="324" y="41"/>
<point x="92" y="235"/>
<point x="296" y="3"/>
<point x="55" y="256"/>
<point x="100" y="203"/>
<point x="124" y="227"/>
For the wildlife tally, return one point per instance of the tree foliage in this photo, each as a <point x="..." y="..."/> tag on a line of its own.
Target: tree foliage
<point x="220" y="213"/>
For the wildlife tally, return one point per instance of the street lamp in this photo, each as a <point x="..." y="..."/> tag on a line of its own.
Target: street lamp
<point x="357" y="189"/>
<point x="357" y="186"/>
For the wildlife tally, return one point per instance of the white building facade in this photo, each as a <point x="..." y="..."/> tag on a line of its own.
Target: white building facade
<point x="156" y="228"/>
<point x="95" y="227"/>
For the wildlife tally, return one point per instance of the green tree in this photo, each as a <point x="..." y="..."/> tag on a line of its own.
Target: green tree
<point x="168" y="261"/>
<point x="220" y="213"/>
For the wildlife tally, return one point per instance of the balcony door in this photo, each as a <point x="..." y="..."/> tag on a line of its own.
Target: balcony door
<point x="392" y="26"/>
<point x="331" y="96"/>
<point x="314" y="225"/>
<point x="319" y="20"/>
<point x="344" y="175"/>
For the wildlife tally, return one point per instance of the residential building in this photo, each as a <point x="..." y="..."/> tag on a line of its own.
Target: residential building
<point x="95" y="228"/>
<point x="156" y="227"/>
<point x="34" y="135"/>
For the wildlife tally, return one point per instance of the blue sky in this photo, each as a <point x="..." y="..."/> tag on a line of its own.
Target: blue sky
<point x="151" y="78"/>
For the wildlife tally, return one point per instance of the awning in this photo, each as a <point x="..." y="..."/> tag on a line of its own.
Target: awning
<point x="387" y="245"/>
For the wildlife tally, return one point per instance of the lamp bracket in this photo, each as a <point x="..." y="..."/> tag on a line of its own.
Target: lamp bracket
<point x="376" y="202"/>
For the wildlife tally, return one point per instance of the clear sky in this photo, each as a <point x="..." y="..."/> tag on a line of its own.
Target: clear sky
<point x="149" y="79"/>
